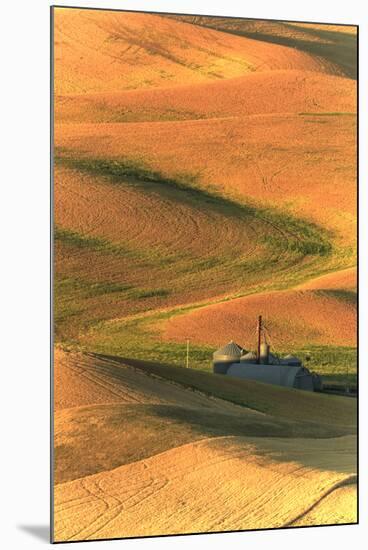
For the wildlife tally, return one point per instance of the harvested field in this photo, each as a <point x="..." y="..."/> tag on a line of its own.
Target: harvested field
<point x="205" y="173"/>
<point x="342" y="499"/>
<point x="122" y="384"/>
<point x="96" y="51"/>
<point x="270" y="160"/>
<point x="333" y="46"/>
<point x="283" y="91"/>
<point x="87" y="440"/>
<point x="169" y="493"/>
<point x="94" y="206"/>
<point x="107" y="268"/>
<point x="97" y="398"/>
<point x="293" y="318"/>
<point x="346" y="279"/>
<point x="94" y="464"/>
<point x="335" y="412"/>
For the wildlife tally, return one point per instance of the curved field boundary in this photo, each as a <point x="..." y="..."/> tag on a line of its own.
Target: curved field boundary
<point x="304" y="165"/>
<point x="293" y="317"/>
<point x="302" y="236"/>
<point x="216" y="247"/>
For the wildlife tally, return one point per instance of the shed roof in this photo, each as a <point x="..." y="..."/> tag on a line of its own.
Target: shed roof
<point x="291" y="359"/>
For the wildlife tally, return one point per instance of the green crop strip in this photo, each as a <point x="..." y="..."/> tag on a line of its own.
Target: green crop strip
<point x="294" y="234"/>
<point x="78" y="240"/>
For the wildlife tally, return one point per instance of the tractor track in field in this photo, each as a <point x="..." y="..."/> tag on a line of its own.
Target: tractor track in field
<point x="121" y="213"/>
<point x="244" y="478"/>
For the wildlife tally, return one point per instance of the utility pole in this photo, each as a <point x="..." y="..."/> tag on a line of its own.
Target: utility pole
<point x="187" y="353"/>
<point x="347" y="378"/>
<point x="259" y="331"/>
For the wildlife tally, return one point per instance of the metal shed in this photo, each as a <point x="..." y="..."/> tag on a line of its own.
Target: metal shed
<point x="281" y="375"/>
<point x="291" y="360"/>
<point x="249" y="357"/>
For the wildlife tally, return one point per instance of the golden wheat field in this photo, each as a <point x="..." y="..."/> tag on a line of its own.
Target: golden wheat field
<point x="139" y="455"/>
<point x="204" y="174"/>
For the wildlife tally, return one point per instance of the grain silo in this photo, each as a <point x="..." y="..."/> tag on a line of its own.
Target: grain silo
<point x="226" y="356"/>
<point x="264" y="353"/>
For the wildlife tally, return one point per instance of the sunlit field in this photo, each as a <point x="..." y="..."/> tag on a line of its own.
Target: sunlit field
<point x="204" y="174"/>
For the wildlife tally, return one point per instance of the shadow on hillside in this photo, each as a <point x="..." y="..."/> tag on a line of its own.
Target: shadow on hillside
<point x="336" y="47"/>
<point x="224" y="424"/>
<point x="272" y="439"/>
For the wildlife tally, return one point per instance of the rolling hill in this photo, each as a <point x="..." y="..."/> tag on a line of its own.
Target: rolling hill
<point x="294" y="317"/>
<point x="277" y="161"/>
<point x="109" y="486"/>
<point x="205" y="173"/>
<point x="257" y="93"/>
<point x="109" y="51"/>
<point x="125" y="498"/>
<point x="333" y="46"/>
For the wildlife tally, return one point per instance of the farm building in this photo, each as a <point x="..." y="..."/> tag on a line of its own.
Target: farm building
<point x="263" y="366"/>
<point x="281" y="375"/>
<point x="225" y="356"/>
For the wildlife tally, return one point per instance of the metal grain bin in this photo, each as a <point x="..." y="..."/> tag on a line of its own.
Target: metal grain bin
<point x="264" y="354"/>
<point x="225" y="356"/>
